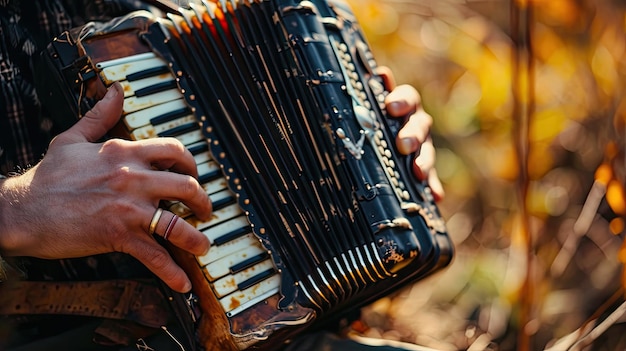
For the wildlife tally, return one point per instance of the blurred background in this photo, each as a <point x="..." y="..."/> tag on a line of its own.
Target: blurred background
<point x="529" y="109"/>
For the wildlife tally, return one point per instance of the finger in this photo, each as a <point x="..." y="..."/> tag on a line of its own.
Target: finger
<point x="156" y="258"/>
<point x="387" y="76"/>
<point x="414" y="132"/>
<point x="424" y="169"/>
<point x="435" y="185"/>
<point x="160" y="185"/>
<point x="182" y="234"/>
<point x="99" y="120"/>
<point x="165" y="153"/>
<point x="425" y="161"/>
<point x="402" y="101"/>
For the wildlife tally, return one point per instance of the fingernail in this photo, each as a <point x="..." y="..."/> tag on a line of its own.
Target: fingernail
<point x="114" y="90"/>
<point x="407" y="145"/>
<point x="394" y="108"/>
<point x="187" y="287"/>
<point x="205" y="249"/>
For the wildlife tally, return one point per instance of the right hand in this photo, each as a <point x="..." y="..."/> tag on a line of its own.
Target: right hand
<point x="86" y="198"/>
<point x="414" y="138"/>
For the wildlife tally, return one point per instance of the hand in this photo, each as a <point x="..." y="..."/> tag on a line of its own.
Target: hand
<point x="414" y="137"/>
<point x="87" y="198"/>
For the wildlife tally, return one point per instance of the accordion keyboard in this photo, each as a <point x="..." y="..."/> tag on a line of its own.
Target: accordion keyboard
<point x="238" y="268"/>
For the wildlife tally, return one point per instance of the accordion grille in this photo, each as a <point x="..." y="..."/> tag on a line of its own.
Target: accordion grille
<point x="301" y="202"/>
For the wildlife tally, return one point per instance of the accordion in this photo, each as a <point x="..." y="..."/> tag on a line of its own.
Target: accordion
<point x="315" y="212"/>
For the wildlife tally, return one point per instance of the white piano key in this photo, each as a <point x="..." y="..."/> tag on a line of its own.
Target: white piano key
<point x="221" y="229"/>
<point x="221" y="196"/>
<point x="135" y="103"/>
<point x="217" y="252"/>
<point x="229" y="283"/>
<point x="220" y="223"/>
<point x="210" y="167"/>
<point x="202" y="157"/>
<point x="121" y="71"/>
<point x="142" y="118"/>
<point x="190" y="137"/>
<point x="215" y="185"/>
<point x="241" y="300"/>
<point x="222" y="267"/>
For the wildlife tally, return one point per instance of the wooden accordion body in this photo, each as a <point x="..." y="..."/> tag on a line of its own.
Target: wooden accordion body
<point x="315" y="212"/>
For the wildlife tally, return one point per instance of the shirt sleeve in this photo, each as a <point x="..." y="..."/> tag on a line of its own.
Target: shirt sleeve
<point x="3" y="264"/>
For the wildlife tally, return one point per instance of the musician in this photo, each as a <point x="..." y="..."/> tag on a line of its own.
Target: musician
<point x="81" y="209"/>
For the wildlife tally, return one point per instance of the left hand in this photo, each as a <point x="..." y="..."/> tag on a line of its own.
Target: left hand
<point x="404" y="101"/>
<point x="87" y="197"/>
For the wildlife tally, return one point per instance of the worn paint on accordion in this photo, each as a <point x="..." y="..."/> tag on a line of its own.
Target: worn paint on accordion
<point x="314" y="211"/>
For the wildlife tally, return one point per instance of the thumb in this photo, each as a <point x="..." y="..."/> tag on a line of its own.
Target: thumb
<point x="99" y="120"/>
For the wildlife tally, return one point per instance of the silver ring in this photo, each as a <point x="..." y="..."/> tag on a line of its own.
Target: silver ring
<point x="155" y="221"/>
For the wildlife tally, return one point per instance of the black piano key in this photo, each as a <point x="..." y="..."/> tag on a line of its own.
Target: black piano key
<point x="231" y="235"/>
<point x="151" y="72"/>
<point x="249" y="262"/>
<point x="219" y="204"/>
<point x="257" y="278"/>
<point x="169" y="116"/>
<point x="156" y="88"/>
<point x="198" y="148"/>
<point x="205" y="178"/>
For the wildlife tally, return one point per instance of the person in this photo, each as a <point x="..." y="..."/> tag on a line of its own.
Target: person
<point x="76" y="208"/>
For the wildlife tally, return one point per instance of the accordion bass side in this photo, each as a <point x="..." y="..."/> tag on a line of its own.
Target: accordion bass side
<point x="315" y="212"/>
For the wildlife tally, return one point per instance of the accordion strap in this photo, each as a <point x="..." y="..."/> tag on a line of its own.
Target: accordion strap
<point x="140" y="301"/>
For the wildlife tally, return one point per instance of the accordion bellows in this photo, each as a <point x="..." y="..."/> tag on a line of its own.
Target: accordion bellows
<point x="315" y="212"/>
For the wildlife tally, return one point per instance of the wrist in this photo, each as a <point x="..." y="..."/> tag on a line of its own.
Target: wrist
<point x="12" y="228"/>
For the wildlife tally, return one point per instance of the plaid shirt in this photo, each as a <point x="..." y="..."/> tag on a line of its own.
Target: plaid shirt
<point x="26" y="26"/>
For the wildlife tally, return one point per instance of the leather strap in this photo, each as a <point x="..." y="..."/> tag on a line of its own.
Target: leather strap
<point x="140" y="301"/>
